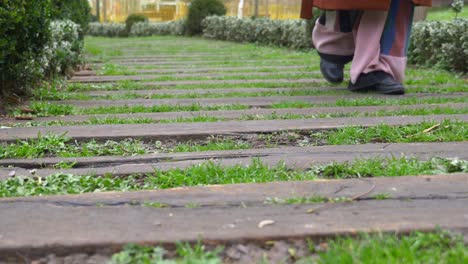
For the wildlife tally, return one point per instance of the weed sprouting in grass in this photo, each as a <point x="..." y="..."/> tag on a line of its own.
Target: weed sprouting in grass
<point x="185" y="254"/>
<point x="382" y="196"/>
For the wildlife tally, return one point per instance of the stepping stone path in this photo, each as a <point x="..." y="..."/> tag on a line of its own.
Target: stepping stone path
<point x="99" y="224"/>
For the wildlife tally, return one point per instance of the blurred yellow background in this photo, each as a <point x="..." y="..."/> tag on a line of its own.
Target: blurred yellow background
<point x="167" y="10"/>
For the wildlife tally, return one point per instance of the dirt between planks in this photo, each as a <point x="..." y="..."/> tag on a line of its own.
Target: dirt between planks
<point x="282" y="251"/>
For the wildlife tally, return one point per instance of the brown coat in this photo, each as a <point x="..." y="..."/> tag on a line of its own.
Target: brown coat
<point x="307" y="5"/>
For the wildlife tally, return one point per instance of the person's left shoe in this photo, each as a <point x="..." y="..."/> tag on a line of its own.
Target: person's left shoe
<point x="379" y="81"/>
<point x="332" y="72"/>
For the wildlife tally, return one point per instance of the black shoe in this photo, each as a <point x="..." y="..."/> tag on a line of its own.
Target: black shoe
<point x="378" y="81"/>
<point x="331" y="71"/>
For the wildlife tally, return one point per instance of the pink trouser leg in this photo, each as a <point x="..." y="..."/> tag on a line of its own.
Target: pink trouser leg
<point x="328" y="39"/>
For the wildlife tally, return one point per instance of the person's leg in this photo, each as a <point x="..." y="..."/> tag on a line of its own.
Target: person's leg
<point x="381" y="46"/>
<point x="333" y="38"/>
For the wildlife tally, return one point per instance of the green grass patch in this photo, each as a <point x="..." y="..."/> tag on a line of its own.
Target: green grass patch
<point x="52" y="145"/>
<point x="210" y="173"/>
<point x="439" y="247"/>
<point x="111" y="69"/>
<point x="43" y="109"/>
<point x="446" y="131"/>
<point x="445" y="14"/>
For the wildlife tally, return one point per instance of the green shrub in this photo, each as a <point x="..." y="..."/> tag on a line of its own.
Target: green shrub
<point x="64" y="50"/>
<point x="24" y="31"/>
<point x="133" y="19"/>
<point x="199" y="10"/>
<point x="107" y="30"/>
<point x="443" y="44"/>
<point x="78" y="11"/>
<point x="283" y="33"/>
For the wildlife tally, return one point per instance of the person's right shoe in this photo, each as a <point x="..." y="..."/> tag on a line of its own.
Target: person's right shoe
<point x="332" y="72"/>
<point x="378" y="81"/>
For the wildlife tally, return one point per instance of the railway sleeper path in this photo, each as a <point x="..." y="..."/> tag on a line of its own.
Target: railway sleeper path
<point x="245" y="147"/>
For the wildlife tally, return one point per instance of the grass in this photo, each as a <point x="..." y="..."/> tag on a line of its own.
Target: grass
<point x="210" y="173"/>
<point x="112" y="69"/>
<point x="445" y="14"/>
<point x="155" y="94"/>
<point x="274" y="116"/>
<point x="43" y="109"/>
<point x="438" y="246"/>
<point x="445" y="131"/>
<point x="62" y="146"/>
<point x="52" y="145"/>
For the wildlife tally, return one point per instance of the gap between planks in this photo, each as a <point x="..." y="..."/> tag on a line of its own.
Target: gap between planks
<point x="301" y="158"/>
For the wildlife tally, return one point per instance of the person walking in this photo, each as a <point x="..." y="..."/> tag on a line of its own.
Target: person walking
<point x="372" y="35"/>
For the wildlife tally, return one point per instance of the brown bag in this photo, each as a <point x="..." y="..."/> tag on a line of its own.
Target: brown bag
<point x="307" y="5"/>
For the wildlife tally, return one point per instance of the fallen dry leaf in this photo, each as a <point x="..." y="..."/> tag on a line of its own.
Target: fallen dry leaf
<point x="264" y="223"/>
<point x="431" y="128"/>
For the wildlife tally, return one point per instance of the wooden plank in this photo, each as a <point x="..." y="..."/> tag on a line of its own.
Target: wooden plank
<point x="294" y="157"/>
<point x="197" y="130"/>
<point x="235" y="114"/>
<point x="249" y="101"/>
<point x="36" y="229"/>
<point x="113" y="78"/>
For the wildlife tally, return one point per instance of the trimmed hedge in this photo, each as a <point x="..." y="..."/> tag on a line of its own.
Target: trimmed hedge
<point x="107" y="30"/>
<point x="176" y="28"/>
<point x="283" y="33"/>
<point x="443" y="44"/>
